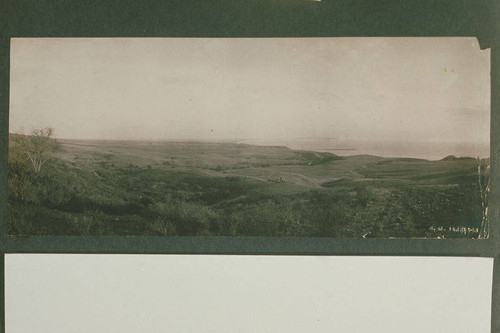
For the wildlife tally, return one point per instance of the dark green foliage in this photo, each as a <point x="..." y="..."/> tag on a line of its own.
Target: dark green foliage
<point x="161" y="227"/>
<point x="90" y="223"/>
<point x="363" y="195"/>
<point x="454" y="158"/>
<point x="393" y="198"/>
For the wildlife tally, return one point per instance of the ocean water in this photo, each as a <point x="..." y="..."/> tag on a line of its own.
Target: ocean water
<point x="424" y="150"/>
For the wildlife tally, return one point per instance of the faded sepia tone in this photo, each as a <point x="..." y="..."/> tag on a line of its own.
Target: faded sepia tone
<point x="293" y="137"/>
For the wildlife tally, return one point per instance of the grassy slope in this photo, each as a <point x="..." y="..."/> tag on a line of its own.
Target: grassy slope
<point x="134" y="188"/>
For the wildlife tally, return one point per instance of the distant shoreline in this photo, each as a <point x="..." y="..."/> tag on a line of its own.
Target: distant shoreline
<point x="421" y="150"/>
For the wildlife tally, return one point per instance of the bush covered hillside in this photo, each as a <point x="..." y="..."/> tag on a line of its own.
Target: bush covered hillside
<point x="229" y="189"/>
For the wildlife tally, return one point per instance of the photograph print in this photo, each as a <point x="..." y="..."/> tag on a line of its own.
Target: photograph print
<point x="262" y="137"/>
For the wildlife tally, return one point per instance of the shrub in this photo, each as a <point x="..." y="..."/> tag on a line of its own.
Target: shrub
<point x="91" y="223"/>
<point x="19" y="224"/>
<point x="363" y="195"/>
<point x="161" y="227"/>
<point x="189" y="218"/>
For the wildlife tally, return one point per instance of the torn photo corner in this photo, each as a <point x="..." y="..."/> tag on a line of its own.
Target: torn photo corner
<point x="263" y="137"/>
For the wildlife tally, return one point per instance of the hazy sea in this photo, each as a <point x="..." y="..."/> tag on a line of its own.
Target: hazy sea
<point x="424" y="150"/>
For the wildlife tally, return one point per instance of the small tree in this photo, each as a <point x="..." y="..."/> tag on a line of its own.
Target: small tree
<point x="38" y="147"/>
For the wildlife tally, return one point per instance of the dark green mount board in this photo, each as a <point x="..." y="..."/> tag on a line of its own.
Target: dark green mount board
<point x="181" y="18"/>
<point x="244" y="19"/>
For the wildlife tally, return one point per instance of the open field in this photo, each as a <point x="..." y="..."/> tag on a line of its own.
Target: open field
<point x="229" y="189"/>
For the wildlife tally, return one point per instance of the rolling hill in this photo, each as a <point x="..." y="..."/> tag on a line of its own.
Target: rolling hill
<point x="230" y="189"/>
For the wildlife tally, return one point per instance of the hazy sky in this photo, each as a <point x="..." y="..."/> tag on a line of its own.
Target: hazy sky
<point x="246" y="294"/>
<point x="409" y="89"/>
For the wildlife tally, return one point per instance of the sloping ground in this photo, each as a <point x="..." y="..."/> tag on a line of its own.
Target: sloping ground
<point x="192" y="188"/>
<point x="190" y="154"/>
<point x="278" y="164"/>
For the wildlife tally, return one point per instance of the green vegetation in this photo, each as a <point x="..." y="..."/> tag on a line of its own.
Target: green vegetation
<point x="225" y="189"/>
